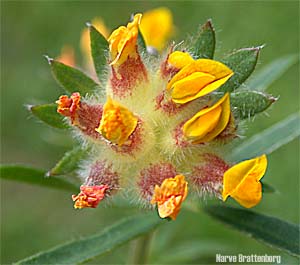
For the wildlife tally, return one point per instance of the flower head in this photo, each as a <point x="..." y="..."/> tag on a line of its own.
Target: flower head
<point x="169" y="196"/>
<point x="163" y="116"/>
<point x="89" y="196"/>
<point x="241" y="181"/>
<point x="122" y="42"/>
<point x="208" y="123"/>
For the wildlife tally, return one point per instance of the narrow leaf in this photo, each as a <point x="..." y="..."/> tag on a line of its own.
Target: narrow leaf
<point x="272" y="231"/>
<point x="69" y="162"/>
<point x="34" y="176"/>
<point x="271" y="72"/>
<point x="268" y="140"/>
<point x="48" y="114"/>
<point x="248" y="103"/>
<point x="242" y="62"/>
<point x="99" y="50"/>
<point x="141" y="42"/>
<point x="84" y="249"/>
<point x="71" y="79"/>
<point x="189" y="251"/>
<point x="267" y="188"/>
<point x="204" y="46"/>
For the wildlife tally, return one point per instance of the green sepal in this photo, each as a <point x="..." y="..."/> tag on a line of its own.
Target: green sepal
<point x="48" y="114"/>
<point x="71" y="79"/>
<point x="246" y="104"/>
<point x="141" y="42"/>
<point x="69" y="162"/>
<point x="267" y="188"/>
<point x="34" y="176"/>
<point x="242" y="62"/>
<point x="270" y="230"/>
<point x="204" y="45"/>
<point x="99" y="50"/>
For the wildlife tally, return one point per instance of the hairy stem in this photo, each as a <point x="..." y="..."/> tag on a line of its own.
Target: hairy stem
<point x="140" y="249"/>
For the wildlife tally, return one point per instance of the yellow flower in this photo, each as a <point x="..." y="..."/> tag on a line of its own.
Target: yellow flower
<point x="117" y="122"/>
<point x="180" y="59"/>
<point x="208" y="123"/>
<point x="241" y="181"/>
<point x="85" y="42"/>
<point x="196" y="78"/>
<point x="169" y="196"/>
<point x="122" y="42"/>
<point x="157" y="27"/>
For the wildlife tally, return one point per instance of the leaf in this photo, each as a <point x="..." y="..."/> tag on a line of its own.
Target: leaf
<point x="189" y="251"/>
<point x="242" y="63"/>
<point x="270" y="230"/>
<point x="84" y="249"/>
<point x="268" y="140"/>
<point x="204" y="46"/>
<point x="248" y="103"/>
<point x="272" y="72"/>
<point x="71" y="79"/>
<point x="141" y="43"/>
<point x="267" y="188"/>
<point x="48" y="114"/>
<point x="99" y="50"/>
<point x="69" y="162"/>
<point x="34" y="176"/>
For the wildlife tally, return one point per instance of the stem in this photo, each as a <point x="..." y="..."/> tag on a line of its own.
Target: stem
<point x="140" y="249"/>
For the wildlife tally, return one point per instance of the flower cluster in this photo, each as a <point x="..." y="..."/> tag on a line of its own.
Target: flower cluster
<point x="160" y="131"/>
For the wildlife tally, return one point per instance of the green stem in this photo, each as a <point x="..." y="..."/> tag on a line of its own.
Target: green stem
<point x="140" y="249"/>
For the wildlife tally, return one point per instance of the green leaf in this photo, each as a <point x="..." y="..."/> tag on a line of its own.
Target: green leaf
<point x="99" y="50"/>
<point x="141" y="42"/>
<point x="248" y="103"/>
<point x="189" y="251"/>
<point x="267" y="188"/>
<point x="34" y="176"/>
<point x="273" y="71"/>
<point x="242" y="63"/>
<point x="84" y="249"/>
<point x="272" y="231"/>
<point x="268" y="140"/>
<point x="48" y="114"/>
<point x="204" y="46"/>
<point x="71" y="79"/>
<point x="69" y="162"/>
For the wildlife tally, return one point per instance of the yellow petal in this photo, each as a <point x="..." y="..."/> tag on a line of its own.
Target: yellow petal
<point x="219" y="71"/>
<point x="208" y="123"/>
<point x="169" y="196"/>
<point x="180" y="59"/>
<point x="191" y="87"/>
<point x="241" y="181"/>
<point x="157" y="27"/>
<point x="122" y="42"/>
<point x="117" y="122"/>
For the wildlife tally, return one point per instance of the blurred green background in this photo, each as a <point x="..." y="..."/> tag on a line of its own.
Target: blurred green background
<point x="34" y="218"/>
